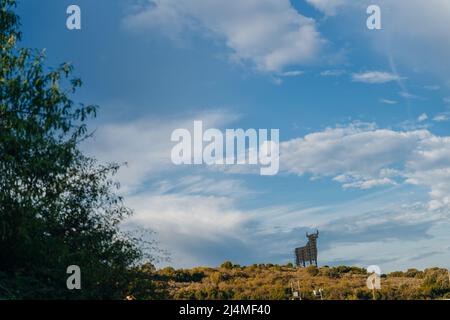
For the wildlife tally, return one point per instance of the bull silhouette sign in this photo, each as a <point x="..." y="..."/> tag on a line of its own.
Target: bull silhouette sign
<point x="308" y="253"/>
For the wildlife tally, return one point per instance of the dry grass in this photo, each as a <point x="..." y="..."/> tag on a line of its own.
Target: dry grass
<point x="274" y="282"/>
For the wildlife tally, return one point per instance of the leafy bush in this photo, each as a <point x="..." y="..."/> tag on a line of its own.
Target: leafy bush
<point x="436" y="282"/>
<point x="396" y="274"/>
<point x="312" y="271"/>
<point x="227" y="265"/>
<point x="414" y="273"/>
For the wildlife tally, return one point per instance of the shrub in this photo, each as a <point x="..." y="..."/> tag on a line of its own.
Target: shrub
<point x="312" y="271"/>
<point x="227" y="265"/>
<point x="414" y="273"/>
<point x="396" y="274"/>
<point x="436" y="282"/>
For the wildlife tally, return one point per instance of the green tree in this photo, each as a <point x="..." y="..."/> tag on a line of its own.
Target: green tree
<point x="57" y="206"/>
<point x="227" y="265"/>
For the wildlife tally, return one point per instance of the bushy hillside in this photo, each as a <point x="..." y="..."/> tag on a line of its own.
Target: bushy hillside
<point x="267" y="281"/>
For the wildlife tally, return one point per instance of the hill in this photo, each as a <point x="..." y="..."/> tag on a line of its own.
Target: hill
<point x="274" y="282"/>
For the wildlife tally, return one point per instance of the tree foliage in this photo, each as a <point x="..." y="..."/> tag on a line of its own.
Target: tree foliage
<point x="58" y="207"/>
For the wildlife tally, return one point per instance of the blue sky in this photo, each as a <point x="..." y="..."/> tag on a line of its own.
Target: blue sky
<point x="363" y="118"/>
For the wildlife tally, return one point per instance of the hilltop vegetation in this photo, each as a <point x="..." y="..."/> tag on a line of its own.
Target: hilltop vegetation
<point x="267" y="281"/>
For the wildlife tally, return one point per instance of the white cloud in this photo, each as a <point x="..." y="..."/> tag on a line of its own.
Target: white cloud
<point x="359" y="150"/>
<point x="358" y="155"/>
<point x="442" y="117"/>
<point x="329" y="7"/>
<point x="332" y="73"/>
<point x="269" y="33"/>
<point x="375" y="77"/>
<point x="352" y="182"/>
<point x="208" y="217"/>
<point x="408" y="95"/>
<point x="190" y="226"/>
<point x="388" y="101"/>
<point x="422" y="117"/>
<point x="294" y="73"/>
<point x="430" y="166"/>
<point x="432" y="87"/>
<point x="144" y="145"/>
<point x="363" y="156"/>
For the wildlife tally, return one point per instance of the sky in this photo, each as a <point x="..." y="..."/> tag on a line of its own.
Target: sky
<point x="363" y="118"/>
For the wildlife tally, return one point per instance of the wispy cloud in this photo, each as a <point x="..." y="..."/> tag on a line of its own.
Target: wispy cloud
<point x="421" y="46"/>
<point x="442" y="117"/>
<point x="408" y="95"/>
<point x="294" y="73"/>
<point x="144" y="145"/>
<point x="388" y="101"/>
<point x="432" y="87"/>
<point x="422" y="117"/>
<point x="375" y="77"/>
<point x="332" y="73"/>
<point x="195" y="228"/>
